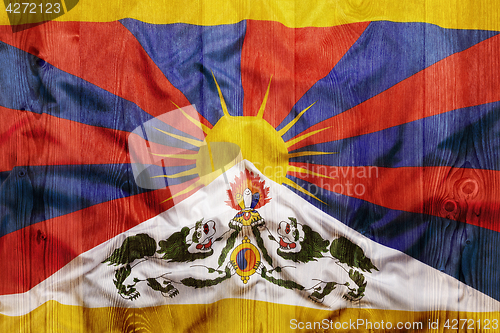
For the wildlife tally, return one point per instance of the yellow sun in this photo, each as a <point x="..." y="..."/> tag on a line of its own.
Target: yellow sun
<point x="258" y="142"/>
<point x="234" y="138"/>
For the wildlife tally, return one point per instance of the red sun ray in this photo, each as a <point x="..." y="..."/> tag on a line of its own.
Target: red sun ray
<point x="45" y="247"/>
<point x="465" y="195"/>
<point x="464" y="79"/>
<point x="296" y="58"/>
<point x="32" y="139"/>
<point x="122" y="68"/>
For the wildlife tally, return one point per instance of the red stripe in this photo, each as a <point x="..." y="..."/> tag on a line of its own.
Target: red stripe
<point x="177" y="120"/>
<point x="30" y="255"/>
<point x="461" y="80"/>
<point x="27" y="138"/>
<point x="142" y="151"/>
<point x="296" y="58"/>
<point x="465" y="195"/>
<point x="104" y="54"/>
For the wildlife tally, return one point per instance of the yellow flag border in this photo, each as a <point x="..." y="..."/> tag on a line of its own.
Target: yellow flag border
<point x="239" y="315"/>
<point x="457" y="14"/>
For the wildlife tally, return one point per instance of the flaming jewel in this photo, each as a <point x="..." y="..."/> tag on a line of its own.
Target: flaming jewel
<point x="247" y="193"/>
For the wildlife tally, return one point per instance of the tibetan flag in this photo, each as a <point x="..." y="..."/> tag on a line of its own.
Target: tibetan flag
<point x="250" y="166"/>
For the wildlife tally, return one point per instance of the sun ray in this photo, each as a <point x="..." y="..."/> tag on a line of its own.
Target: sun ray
<point x="180" y="156"/>
<point x="291" y="142"/>
<point x="211" y="157"/>
<point x="199" y="124"/>
<point x="222" y="101"/>
<point x="285" y="129"/>
<point x="65" y="9"/>
<point x="196" y="143"/>
<point x="309" y="153"/>
<point x="293" y="168"/>
<point x="260" y="114"/>
<point x="301" y="189"/>
<point x="186" y="190"/>
<point x="179" y="174"/>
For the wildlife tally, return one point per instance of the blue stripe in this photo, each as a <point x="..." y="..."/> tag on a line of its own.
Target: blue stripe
<point x="155" y="131"/>
<point x="385" y="54"/>
<point x="28" y="83"/>
<point x="187" y="54"/>
<point x="152" y="131"/>
<point x="456" y="138"/>
<point x="32" y="194"/>
<point x="455" y="248"/>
